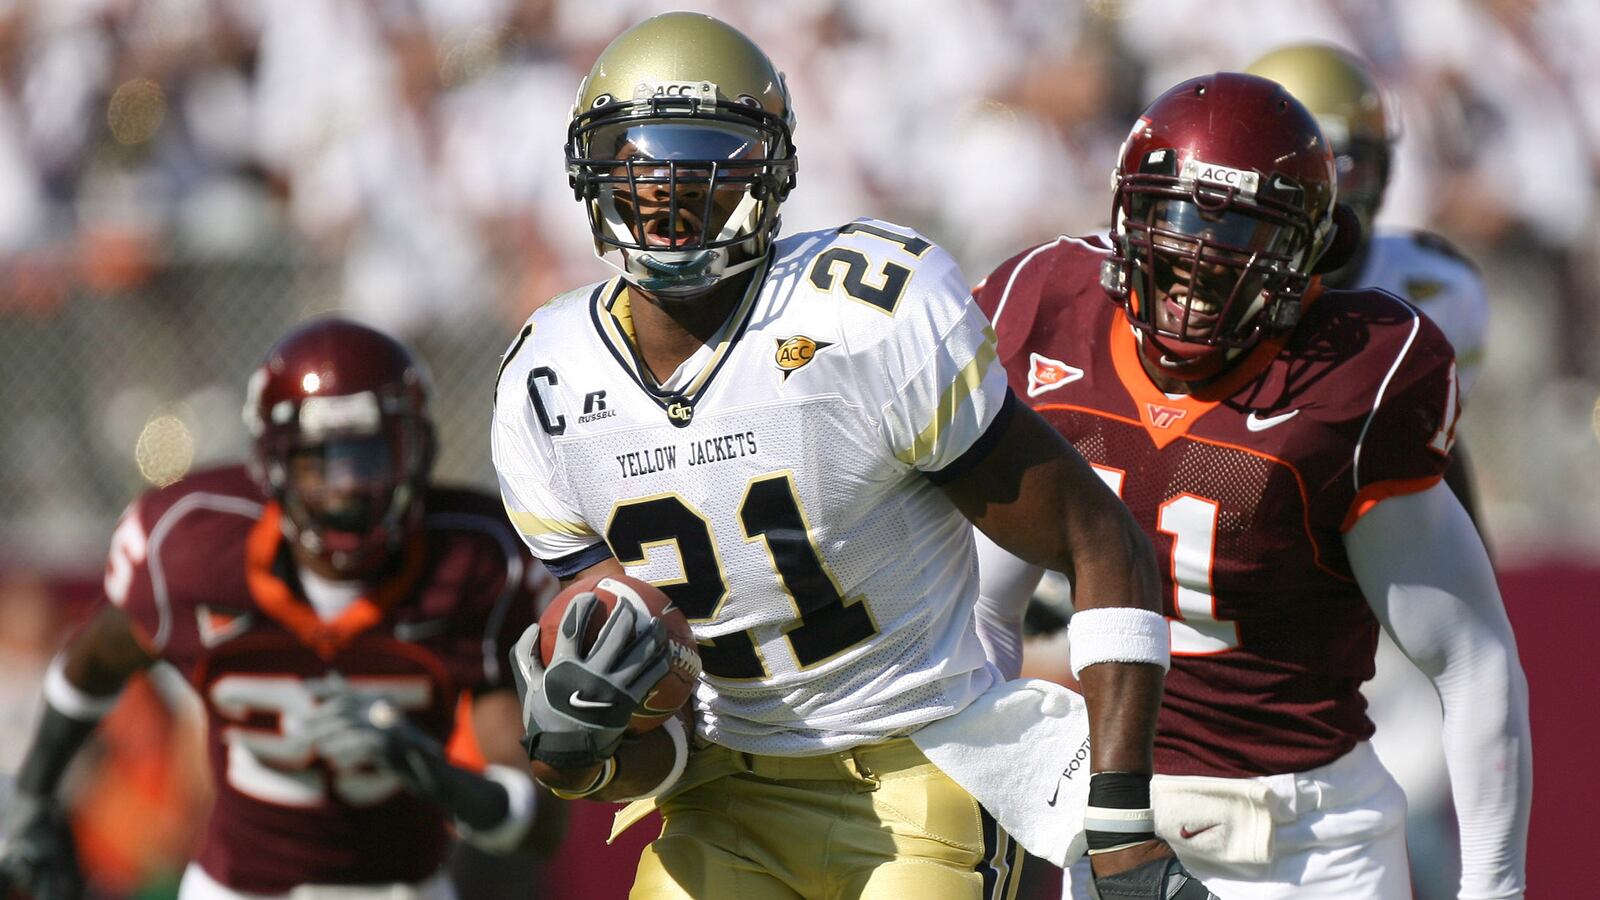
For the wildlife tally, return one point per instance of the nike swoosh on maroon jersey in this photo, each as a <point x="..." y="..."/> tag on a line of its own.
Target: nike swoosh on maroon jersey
<point x="1185" y="833"/>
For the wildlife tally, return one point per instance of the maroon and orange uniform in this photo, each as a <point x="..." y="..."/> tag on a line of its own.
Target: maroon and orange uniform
<point x="202" y="569"/>
<point x="1246" y="490"/>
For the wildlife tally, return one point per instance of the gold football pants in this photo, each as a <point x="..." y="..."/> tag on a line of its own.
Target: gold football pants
<point x="877" y="822"/>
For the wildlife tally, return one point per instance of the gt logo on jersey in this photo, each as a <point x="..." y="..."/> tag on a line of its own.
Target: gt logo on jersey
<point x="794" y="353"/>
<point x="1046" y="374"/>
<point x="680" y="413"/>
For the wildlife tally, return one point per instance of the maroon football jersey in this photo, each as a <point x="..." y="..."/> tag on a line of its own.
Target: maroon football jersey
<point x="1245" y="492"/>
<point x="202" y="570"/>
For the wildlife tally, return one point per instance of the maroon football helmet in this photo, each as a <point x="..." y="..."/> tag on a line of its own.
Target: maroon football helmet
<point x="342" y="439"/>
<point x="1223" y="204"/>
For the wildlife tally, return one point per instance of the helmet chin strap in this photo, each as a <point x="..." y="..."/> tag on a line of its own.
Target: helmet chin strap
<point x="679" y="273"/>
<point x="1203" y="366"/>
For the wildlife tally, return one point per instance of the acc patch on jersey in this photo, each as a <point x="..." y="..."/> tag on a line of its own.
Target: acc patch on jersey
<point x="1046" y="374"/>
<point x="794" y="353"/>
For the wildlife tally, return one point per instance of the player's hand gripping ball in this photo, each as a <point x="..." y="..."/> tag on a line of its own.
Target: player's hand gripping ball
<point x="674" y="688"/>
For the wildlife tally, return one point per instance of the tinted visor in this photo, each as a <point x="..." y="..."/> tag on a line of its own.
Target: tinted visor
<point x="687" y="141"/>
<point x="678" y="184"/>
<point x="1223" y="229"/>
<point x="345" y="484"/>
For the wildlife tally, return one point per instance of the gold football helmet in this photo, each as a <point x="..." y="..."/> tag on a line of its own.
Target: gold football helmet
<point x="1340" y="91"/>
<point x="680" y="149"/>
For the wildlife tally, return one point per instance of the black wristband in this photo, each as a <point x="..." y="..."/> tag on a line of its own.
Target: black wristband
<point x="420" y="761"/>
<point x="1120" y="790"/>
<point x="1110" y="795"/>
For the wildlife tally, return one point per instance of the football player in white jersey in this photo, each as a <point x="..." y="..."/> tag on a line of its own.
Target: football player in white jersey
<point x="1418" y="266"/>
<point x="1424" y="269"/>
<point x="793" y="439"/>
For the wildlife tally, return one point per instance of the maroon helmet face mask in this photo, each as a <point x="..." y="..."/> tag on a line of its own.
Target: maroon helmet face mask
<point x="1224" y="192"/>
<point x="339" y="414"/>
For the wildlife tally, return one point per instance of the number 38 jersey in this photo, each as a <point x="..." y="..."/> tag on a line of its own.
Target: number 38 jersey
<point x="1245" y="492"/>
<point x="201" y="569"/>
<point x="780" y="486"/>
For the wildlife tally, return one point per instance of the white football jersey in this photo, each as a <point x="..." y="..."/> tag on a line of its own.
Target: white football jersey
<point x="780" y="486"/>
<point x="1425" y="270"/>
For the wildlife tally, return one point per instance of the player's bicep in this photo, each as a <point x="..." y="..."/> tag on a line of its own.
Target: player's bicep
<point x="1034" y="496"/>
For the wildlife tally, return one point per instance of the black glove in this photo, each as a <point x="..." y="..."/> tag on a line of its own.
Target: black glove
<point x="37" y="854"/>
<point x="576" y="710"/>
<point x="1158" y="879"/>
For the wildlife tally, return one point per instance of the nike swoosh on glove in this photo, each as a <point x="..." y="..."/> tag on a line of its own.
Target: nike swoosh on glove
<point x="576" y="710"/>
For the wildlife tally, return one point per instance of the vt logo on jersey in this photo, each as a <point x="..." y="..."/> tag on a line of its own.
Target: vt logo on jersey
<point x="1046" y="374"/>
<point x="794" y="353"/>
<point x="1164" y="416"/>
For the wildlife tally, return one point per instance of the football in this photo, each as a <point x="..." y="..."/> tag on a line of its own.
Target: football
<point x="674" y="688"/>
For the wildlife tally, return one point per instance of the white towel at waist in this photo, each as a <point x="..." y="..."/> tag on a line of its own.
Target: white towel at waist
<point x="1022" y="750"/>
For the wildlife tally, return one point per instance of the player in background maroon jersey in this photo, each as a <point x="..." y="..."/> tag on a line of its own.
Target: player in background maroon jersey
<point x="330" y="607"/>
<point x="1282" y="445"/>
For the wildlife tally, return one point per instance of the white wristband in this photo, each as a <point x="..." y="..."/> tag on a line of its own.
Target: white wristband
<point x="1118" y="634"/>
<point x="522" y="801"/>
<point x="680" y="758"/>
<point x="70" y="700"/>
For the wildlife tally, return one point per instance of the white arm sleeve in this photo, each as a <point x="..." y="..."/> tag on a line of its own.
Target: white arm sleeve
<point x="1423" y="568"/>
<point x="1005" y="585"/>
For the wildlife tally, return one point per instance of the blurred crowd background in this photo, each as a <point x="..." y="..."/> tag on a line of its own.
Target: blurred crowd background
<point x="181" y="179"/>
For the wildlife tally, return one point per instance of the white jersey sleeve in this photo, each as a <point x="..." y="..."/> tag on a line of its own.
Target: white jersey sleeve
<point x="940" y="390"/>
<point x="536" y="496"/>
<point x="1423" y="269"/>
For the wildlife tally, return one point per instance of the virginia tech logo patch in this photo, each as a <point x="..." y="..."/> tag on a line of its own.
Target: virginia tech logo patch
<point x="1164" y="416"/>
<point x="1046" y="374"/>
<point x="794" y="353"/>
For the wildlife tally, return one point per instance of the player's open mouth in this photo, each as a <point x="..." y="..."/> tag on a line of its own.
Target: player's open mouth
<point x="1201" y="315"/>
<point x="658" y="231"/>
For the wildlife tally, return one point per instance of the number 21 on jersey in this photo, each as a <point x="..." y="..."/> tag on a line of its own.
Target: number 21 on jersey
<point x="1191" y="521"/>
<point x="826" y="623"/>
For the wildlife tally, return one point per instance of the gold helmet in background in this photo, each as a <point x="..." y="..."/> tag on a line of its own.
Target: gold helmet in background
<point x="680" y="150"/>
<point x="1340" y="91"/>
